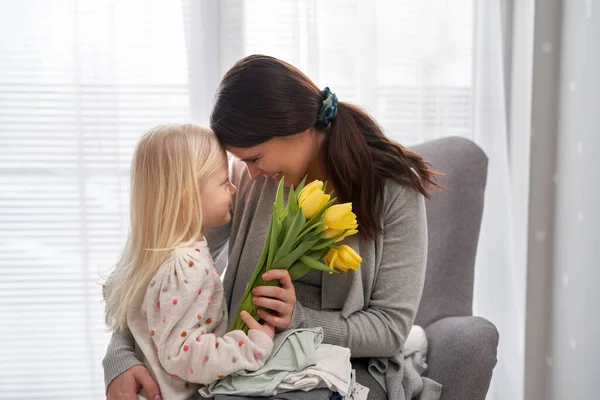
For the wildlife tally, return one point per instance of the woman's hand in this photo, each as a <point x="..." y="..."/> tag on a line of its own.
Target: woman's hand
<point x="280" y="300"/>
<point x="128" y="384"/>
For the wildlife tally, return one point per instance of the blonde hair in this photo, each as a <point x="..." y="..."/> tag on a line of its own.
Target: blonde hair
<point x="168" y="169"/>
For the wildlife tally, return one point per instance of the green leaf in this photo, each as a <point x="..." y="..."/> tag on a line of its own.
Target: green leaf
<point x="307" y="230"/>
<point x="291" y="209"/>
<point x="330" y="242"/>
<point x="301" y="185"/>
<point x="314" y="264"/>
<point x="325" y="244"/>
<point x="288" y="218"/>
<point x="293" y="200"/>
<point x="290" y="237"/>
<point x="286" y="210"/>
<point x="298" y="270"/>
<point x="274" y="241"/>
<point x="254" y="281"/>
<point x="316" y="234"/>
<point x="278" y="206"/>
<point x="264" y="253"/>
<point x="319" y="215"/>
<point x="317" y="254"/>
<point x="291" y="258"/>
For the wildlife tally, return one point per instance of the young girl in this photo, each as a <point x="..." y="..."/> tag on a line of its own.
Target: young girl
<point x="165" y="289"/>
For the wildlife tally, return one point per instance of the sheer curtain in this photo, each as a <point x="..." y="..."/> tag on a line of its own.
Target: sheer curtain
<point x="501" y="272"/>
<point x="81" y="81"/>
<point x="407" y="62"/>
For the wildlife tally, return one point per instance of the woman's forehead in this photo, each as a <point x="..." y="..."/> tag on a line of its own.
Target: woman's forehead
<point x="274" y="146"/>
<point x="242" y="152"/>
<point x="248" y="153"/>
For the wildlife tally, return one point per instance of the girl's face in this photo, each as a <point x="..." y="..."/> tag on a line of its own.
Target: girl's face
<point x="287" y="156"/>
<point x="216" y="194"/>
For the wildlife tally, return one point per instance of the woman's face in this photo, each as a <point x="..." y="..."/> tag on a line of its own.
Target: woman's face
<point x="288" y="156"/>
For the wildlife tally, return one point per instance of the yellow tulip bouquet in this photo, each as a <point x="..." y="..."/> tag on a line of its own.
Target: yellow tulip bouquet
<point x="299" y="237"/>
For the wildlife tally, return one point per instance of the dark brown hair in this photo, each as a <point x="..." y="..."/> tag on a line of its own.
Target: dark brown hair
<point x="262" y="97"/>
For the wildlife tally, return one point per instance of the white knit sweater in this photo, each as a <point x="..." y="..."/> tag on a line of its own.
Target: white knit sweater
<point x="180" y="326"/>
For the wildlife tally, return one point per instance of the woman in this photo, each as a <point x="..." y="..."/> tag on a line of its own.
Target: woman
<point x="278" y="123"/>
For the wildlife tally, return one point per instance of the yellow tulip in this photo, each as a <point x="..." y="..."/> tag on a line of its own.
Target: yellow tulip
<point x="331" y="233"/>
<point x="342" y="258"/>
<point x="340" y="217"/>
<point x="314" y="185"/>
<point x="348" y="258"/>
<point x="312" y="198"/>
<point x="330" y="257"/>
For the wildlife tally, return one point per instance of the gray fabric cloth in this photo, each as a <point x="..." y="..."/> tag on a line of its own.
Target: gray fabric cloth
<point x="293" y="350"/>
<point x="421" y="388"/>
<point x="364" y="377"/>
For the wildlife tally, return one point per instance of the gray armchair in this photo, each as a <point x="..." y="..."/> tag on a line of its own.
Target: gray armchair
<point x="462" y="348"/>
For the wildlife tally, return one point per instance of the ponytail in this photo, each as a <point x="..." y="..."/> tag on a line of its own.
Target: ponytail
<point x="359" y="158"/>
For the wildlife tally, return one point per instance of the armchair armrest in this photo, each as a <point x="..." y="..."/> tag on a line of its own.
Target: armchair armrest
<point x="462" y="356"/>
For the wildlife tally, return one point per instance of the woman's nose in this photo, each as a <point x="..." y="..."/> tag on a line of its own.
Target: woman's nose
<point x="232" y="189"/>
<point x="254" y="171"/>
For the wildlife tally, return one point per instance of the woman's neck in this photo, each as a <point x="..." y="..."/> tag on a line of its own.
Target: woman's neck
<point x="318" y="171"/>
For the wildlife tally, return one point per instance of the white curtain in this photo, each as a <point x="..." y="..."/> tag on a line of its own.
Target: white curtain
<point x="407" y="62"/>
<point x="500" y="274"/>
<point x="81" y="80"/>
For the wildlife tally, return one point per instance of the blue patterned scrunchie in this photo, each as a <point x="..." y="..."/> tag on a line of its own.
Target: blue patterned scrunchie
<point x="328" y="110"/>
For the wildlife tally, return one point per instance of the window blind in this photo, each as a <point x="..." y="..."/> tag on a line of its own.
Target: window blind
<point x="80" y="81"/>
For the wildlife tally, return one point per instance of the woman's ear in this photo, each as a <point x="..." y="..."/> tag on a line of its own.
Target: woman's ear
<point x="317" y="136"/>
<point x="312" y="134"/>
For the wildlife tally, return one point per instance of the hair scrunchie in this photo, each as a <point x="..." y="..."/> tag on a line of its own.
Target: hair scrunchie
<point x="328" y="110"/>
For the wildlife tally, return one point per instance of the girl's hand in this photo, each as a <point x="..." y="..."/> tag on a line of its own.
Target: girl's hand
<point x="253" y="324"/>
<point x="280" y="300"/>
